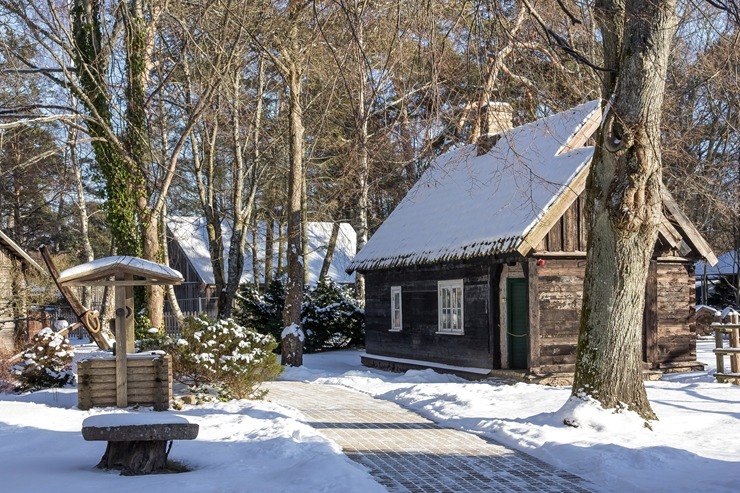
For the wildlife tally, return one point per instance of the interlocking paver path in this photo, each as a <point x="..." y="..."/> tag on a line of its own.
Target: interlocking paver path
<point x="410" y="454"/>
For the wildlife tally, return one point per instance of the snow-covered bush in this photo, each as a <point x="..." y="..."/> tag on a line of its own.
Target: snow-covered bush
<point x="152" y="339"/>
<point x="46" y="362"/>
<point x="232" y="359"/>
<point x="330" y="317"/>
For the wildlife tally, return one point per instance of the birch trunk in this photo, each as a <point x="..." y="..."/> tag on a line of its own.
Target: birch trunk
<point x="81" y="204"/>
<point x="624" y="201"/>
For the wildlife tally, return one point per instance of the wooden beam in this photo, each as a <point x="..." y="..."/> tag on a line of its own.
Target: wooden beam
<point x="583" y="133"/>
<point x="650" y="316"/>
<point x="533" y="302"/>
<point x="89" y="318"/>
<point x="111" y="282"/>
<point x="689" y="230"/>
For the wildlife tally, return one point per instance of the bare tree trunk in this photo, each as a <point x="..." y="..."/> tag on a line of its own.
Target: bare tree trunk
<point x="81" y="210"/>
<point x="363" y="158"/>
<point x="269" y="247"/>
<point x="19" y="304"/>
<point x="106" y="304"/>
<point x="170" y="289"/>
<point x="304" y="233"/>
<point x="329" y="251"/>
<point x="624" y="200"/>
<point x="294" y="288"/>
<point x="255" y="255"/>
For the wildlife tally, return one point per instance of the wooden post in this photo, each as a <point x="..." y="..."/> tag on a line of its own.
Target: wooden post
<point x="718" y="343"/>
<point x="533" y="300"/>
<point x="121" y="347"/>
<point x="130" y="337"/>
<point x="734" y="343"/>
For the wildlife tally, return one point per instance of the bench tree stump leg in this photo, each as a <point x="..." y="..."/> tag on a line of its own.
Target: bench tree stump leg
<point x="135" y="458"/>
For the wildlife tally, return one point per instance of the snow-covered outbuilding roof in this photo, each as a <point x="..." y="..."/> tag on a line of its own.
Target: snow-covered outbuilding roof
<point x="727" y="264"/>
<point x="191" y="235"/>
<point x="467" y="205"/>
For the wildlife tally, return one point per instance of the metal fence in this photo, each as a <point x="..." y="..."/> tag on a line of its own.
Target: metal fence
<point x="195" y="307"/>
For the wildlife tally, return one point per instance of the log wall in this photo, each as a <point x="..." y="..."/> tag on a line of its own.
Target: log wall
<point x="560" y="292"/>
<point x="674" y="299"/>
<point x="149" y="382"/>
<point x="557" y="287"/>
<point x="418" y="338"/>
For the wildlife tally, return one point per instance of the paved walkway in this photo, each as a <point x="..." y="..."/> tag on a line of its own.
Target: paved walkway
<point x="410" y="454"/>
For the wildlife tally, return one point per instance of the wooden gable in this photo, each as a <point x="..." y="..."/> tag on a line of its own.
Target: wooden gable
<point x="564" y="230"/>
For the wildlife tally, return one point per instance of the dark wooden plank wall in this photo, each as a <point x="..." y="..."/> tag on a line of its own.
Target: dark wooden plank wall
<point x="419" y="339"/>
<point x="560" y="291"/>
<point x="568" y="234"/>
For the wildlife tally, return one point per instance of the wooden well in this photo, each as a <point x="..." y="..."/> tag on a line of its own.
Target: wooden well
<point x="149" y="379"/>
<point x="131" y="373"/>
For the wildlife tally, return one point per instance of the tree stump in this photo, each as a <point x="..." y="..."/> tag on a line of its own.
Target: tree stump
<point x="135" y="458"/>
<point x="135" y="448"/>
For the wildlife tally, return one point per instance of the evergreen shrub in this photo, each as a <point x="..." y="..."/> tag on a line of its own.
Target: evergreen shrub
<point x="330" y="317"/>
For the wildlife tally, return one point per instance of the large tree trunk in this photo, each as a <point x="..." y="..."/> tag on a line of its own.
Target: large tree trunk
<point x="154" y="294"/>
<point x="624" y="201"/>
<point x="294" y="288"/>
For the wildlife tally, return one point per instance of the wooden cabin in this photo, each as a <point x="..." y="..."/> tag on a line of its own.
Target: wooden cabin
<point x="188" y="253"/>
<point x="14" y="262"/>
<point x="480" y="268"/>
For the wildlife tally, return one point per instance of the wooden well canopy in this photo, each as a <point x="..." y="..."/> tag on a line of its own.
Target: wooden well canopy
<point x="119" y="271"/>
<point x="122" y="272"/>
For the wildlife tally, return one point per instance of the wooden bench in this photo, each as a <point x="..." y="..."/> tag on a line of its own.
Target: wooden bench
<point x="137" y="442"/>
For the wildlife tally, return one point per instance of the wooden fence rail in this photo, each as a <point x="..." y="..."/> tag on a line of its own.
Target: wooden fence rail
<point x="733" y="351"/>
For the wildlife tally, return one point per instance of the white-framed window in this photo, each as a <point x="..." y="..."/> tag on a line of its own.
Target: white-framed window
<point x="396" y="309"/>
<point x="450" y="306"/>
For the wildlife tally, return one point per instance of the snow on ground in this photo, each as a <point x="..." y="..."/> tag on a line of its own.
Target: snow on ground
<point x="261" y="447"/>
<point x="694" y="446"/>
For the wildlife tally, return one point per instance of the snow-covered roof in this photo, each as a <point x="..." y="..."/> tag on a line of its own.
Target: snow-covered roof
<point x="727" y="264"/>
<point x="191" y="234"/>
<point x="467" y="206"/>
<point x="99" y="270"/>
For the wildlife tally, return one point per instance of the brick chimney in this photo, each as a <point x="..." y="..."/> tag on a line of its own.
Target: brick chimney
<point x="496" y="118"/>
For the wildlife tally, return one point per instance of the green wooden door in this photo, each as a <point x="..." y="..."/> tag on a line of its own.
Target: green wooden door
<point x="517" y="323"/>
